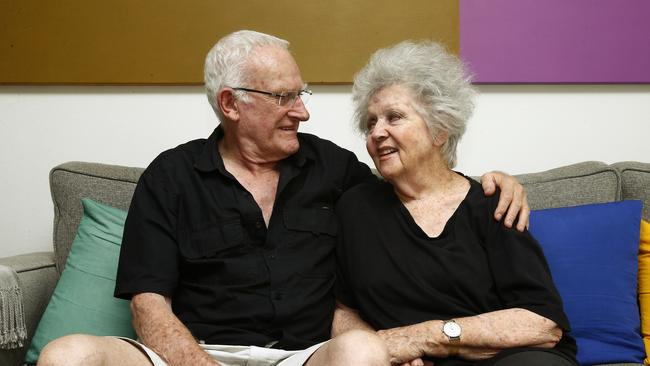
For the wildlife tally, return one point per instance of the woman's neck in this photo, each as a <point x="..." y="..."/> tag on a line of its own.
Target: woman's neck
<point x="436" y="180"/>
<point x="432" y="197"/>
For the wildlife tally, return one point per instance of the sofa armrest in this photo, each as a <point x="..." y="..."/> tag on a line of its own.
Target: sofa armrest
<point x="37" y="277"/>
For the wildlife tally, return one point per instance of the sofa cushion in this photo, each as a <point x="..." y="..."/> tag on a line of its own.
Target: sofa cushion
<point x="572" y="185"/>
<point x="83" y="299"/>
<point x="72" y="181"/>
<point x="592" y="253"/>
<point x="644" y="285"/>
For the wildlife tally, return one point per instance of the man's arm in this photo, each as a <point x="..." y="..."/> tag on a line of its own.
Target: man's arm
<point x="513" y="198"/>
<point x="346" y="318"/>
<point x="159" y="329"/>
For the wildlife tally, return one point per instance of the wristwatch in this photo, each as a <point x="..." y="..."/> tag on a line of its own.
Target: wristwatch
<point x="452" y="330"/>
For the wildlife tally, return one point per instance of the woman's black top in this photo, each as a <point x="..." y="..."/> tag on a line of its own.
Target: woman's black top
<point x="396" y="275"/>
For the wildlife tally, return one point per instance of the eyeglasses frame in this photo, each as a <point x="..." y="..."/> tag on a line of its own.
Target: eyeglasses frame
<point x="279" y="96"/>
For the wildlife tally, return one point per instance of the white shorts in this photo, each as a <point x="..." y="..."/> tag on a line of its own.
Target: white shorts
<point x="242" y="355"/>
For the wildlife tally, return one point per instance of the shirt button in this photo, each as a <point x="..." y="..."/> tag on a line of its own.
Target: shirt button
<point x="259" y="225"/>
<point x="272" y="256"/>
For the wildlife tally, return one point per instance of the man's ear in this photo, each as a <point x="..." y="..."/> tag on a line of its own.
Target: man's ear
<point x="228" y="103"/>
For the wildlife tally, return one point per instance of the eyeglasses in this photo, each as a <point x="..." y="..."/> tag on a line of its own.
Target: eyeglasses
<point x="285" y="99"/>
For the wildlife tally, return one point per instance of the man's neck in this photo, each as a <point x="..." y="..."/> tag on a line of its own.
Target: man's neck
<point x="260" y="179"/>
<point x="235" y="158"/>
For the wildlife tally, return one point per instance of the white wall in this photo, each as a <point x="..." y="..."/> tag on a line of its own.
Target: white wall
<point x="515" y="128"/>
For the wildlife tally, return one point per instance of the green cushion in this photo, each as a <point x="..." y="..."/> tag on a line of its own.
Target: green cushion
<point x="83" y="300"/>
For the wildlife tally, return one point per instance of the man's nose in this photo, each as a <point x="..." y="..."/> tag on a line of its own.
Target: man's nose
<point x="299" y="111"/>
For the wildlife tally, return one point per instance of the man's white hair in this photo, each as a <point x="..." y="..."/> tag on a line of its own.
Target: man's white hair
<point x="225" y="64"/>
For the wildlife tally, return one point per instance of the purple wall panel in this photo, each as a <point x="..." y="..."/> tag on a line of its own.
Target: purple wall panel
<point x="556" y="41"/>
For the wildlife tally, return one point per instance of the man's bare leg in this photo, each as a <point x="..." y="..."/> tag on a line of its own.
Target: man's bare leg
<point x="88" y="350"/>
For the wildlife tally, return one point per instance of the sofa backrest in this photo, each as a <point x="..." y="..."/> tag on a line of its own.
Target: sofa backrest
<point x="72" y="181"/>
<point x="577" y="184"/>
<point x="571" y="185"/>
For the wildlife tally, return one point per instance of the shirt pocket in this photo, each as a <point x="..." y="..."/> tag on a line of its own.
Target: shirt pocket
<point x="213" y="241"/>
<point x="317" y="221"/>
<point x="312" y="238"/>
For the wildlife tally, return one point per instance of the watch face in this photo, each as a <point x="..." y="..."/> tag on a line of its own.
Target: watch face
<point x="451" y="329"/>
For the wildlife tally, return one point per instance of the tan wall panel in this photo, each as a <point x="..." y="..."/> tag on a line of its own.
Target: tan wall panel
<point x="165" y="41"/>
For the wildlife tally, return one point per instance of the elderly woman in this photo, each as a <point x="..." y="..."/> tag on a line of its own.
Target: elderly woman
<point x="421" y="258"/>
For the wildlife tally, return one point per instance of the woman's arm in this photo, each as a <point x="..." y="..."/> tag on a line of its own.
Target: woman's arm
<point x="507" y="329"/>
<point x="482" y="335"/>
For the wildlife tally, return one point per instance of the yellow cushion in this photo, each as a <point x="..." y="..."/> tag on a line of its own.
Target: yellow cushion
<point x="644" y="286"/>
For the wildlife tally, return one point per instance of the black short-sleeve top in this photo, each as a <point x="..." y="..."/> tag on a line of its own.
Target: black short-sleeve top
<point x="195" y="235"/>
<point x="396" y="275"/>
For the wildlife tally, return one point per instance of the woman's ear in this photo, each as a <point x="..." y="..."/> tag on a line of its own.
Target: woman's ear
<point x="440" y="138"/>
<point x="227" y="102"/>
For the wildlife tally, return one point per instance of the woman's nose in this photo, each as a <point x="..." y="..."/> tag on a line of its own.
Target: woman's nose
<point x="379" y="132"/>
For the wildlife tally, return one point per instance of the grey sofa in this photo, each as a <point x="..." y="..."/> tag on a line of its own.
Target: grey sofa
<point x="582" y="183"/>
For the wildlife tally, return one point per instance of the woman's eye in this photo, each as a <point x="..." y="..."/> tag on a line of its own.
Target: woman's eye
<point x="394" y="117"/>
<point x="371" y="124"/>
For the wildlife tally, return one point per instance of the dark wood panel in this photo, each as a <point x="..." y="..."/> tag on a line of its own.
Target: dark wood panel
<point x="165" y="41"/>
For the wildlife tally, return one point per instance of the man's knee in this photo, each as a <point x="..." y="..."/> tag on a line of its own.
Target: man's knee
<point x="74" y="349"/>
<point x="359" y="348"/>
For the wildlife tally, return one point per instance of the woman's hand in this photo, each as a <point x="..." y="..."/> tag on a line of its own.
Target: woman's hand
<point x="476" y="353"/>
<point x="408" y="344"/>
<point x="513" y="198"/>
<point x="402" y="345"/>
<point x="418" y="362"/>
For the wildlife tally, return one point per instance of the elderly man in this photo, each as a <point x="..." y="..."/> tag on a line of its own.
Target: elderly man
<point x="228" y="247"/>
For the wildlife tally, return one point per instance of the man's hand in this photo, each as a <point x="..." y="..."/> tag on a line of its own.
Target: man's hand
<point x="513" y="198"/>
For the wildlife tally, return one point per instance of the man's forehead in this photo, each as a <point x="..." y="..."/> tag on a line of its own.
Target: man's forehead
<point x="265" y="57"/>
<point x="274" y="67"/>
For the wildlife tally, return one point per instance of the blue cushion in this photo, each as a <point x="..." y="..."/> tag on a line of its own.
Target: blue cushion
<point x="592" y="253"/>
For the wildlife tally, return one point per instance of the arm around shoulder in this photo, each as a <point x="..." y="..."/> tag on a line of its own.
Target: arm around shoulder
<point x="513" y="202"/>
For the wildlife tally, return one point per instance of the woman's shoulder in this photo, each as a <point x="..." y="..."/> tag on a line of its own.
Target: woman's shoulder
<point x="366" y="193"/>
<point x="369" y="188"/>
<point x="476" y="198"/>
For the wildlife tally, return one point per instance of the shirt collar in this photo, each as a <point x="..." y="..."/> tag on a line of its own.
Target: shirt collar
<point x="210" y="159"/>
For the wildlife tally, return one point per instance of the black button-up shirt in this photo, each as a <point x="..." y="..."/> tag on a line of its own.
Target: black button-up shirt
<point x="196" y="235"/>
